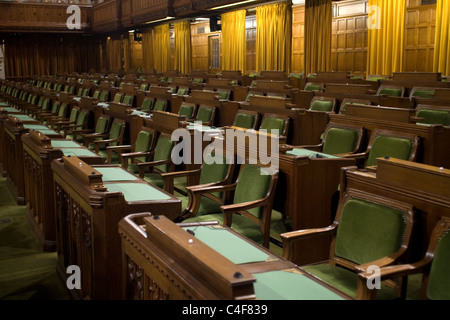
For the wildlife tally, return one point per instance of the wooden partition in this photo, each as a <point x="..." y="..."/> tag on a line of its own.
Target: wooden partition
<point x="90" y="201"/>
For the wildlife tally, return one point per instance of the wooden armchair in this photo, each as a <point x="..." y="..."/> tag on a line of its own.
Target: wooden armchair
<point x="102" y="140"/>
<point x="80" y="124"/>
<point x="58" y="123"/>
<point x="433" y="266"/>
<point x="102" y="127"/>
<point x="271" y="122"/>
<point x="368" y="231"/>
<point x="250" y="210"/>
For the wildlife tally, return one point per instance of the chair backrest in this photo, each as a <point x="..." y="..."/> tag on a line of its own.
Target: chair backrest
<point x="346" y="102"/>
<point x="117" y="129"/>
<point x="271" y="122"/>
<point x="422" y="92"/>
<point x="223" y="95"/>
<point x="370" y="227"/>
<point x="311" y="86"/>
<point x="214" y="171"/>
<point x="82" y="118"/>
<point x="74" y="115"/>
<point x="187" y="110"/>
<point x="102" y="124"/>
<point x="182" y="91"/>
<point x="55" y="106"/>
<point x="246" y="119"/>
<point x="340" y="139"/>
<point x="143" y="143"/>
<point x="147" y="104"/>
<point x="128" y="99"/>
<point x="118" y="97"/>
<point x="63" y="109"/>
<point x="163" y="151"/>
<point x="205" y="114"/>
<point x="433" y="115"/>
<point x="96" y="94"/>
<point x="391" y="90"/>
<point x="104" y="96"/>
<point x="323" y="104"/>
<point x="384" y="143"/>
<point x="160" y="105"/>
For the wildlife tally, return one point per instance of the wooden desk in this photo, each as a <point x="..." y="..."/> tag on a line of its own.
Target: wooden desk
<point x="13" y="153"/>
<point x="90" y="201"/>
<point x="426" y="187"/>
<point x="162" y="260"/>
<point x="39" y="151"/>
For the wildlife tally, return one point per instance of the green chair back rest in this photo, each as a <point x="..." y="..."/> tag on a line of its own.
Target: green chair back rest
<point x="40" y="102"/>
<point x="81" y="120"/>
<point x="387" y="146"/>
<point x="391" y="92"/>
<point x="322" y="105"/>
<point x="72" y="90"/>
<point x="213" y="171"/>
<point x="46" y="104"/>
<point x="244" y="120"/>
<point x="340" y="140"/>
<point x="104" y="96"/>
<point x="144" y="87"/>
<point x="252" y="185"/>
<point x="270" y="124"/>
<point x="96" y="94"/>
<point x="343" y="107"/>
<point x="197" y="80"/>
<point x="80" y="92"/>
<point x="423" y="93"/>
<point x="160" y="105"/>
<point x="368" y="231"/>
<point x="434" y="117"/>
<point x="101" y="126"/>
<point x="55" y="106"/>
<point x="204" y="114"/>
<point x="186" y="111"/>
<point x="74" y="115"/>
<point x="182" y="91"/>
<point x="439" y="278"/>
<point x="116" y="129"/>
<point x="62" y="110"/>
<point x="163" y="151"/>
<point x="85" y="92"/>
<point x="117" y="97"/>
<point x="147" y="105"/>
<point x="143" y="143"/>
<point x="128" y="99"/>
<point x="223" y="95"/>
<point x="313" y="87"/>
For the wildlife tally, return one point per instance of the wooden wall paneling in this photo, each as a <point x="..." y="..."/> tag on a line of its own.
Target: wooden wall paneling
<point x="298" y="39"/>
<point x="200" y="33"/>
<point x="251" y="43"/>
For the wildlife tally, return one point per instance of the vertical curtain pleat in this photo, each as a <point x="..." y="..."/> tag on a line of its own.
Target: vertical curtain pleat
<point x="183" y="46"/>
<point x="147" y="50"/>
<point x="274" y="37"/>
<point x="162" y="48"/>
<point x="234" y="41"/>
<point x="442" y="38"/>
<point x="386" y="43"/>
<point x="318" y="32"/>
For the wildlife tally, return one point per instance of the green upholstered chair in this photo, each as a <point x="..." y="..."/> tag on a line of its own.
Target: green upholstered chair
<point x="182" y="91"/>
<point x="129" y="155"/>
<point x="224" y="94"/>
<point x="96" y="94"/>
<point x="433" y="267"/>
<point x="368" y="230"/>
<point x="376" y="77"/>
<point x="433" y="115"/>
<point x="386" y="143"/>
<point x="128" y="99"/>
<point x="206" y="114"/>
<point x="248" y="211"/>
<point x="339" y="140"/>
<point x="187" y="110"/>
<point x="312" y="86"/>
<point x="160" y="161"/>
<point x="50" y="120"/>
<point x="422" y="92"/>
<point x="104" y="96"/>
<point x="101" y="141"/>
<point x="118" y="97"/>
<point x="147" y="104"/>
<point x="101" y="127"/>
<point x="59" y="123"/>
<point x="271" y="122"/>
<point x="323" y="104"/>
<point x="348" y="101"/>
<point x="81" y="123"/>
<point x="391" y="90"/>
<point x="160" y="105"/>
<point x="246" y="119"/>
<point x="41" y="114"/>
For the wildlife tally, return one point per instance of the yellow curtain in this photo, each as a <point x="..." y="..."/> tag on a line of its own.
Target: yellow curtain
<point x="442" y="38"/>
<point x="234" y="41"/>
<point x="147" y="50"/>
<point x="183" y="46"/>
<point x="317" y="36"/>
<point x="386" y="36"/>
<point x="274" y="37"/>
<point x="161" y="51"/>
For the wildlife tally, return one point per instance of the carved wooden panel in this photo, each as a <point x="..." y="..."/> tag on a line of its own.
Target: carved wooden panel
<point x="105" y="16"/>
<point x="420" y="26"/>
<point x="298" y="39"/>
<point x="250" y="22"/>
<point x="200" y="33"/>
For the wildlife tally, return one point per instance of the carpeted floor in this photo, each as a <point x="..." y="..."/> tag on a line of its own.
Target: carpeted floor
<point x="26" y="271"/>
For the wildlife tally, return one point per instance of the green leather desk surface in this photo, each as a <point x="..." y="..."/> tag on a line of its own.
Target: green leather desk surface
<point x="49" y="132"/>
<point x="23" y="117"/>
<point x="10" y="109"/>
<point x="137" y="191"/>
<point x="78" y="152"/>
<point x="288" y="284"/>
<point x="224" y="242"/>
<point x="65" y="144"/>
<point x="310" y="153"/>
<point x="36" y="127"/>
<point x="115" y="174"/>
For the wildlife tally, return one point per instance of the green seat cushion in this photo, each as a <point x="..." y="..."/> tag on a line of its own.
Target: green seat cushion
<point x="339" y="140"/>
<point x="322" y="105"/>
<point x="270" y="124"/>
<point x="186" y="111"/>
<point x="344" y="280"/>
<point x="387" y="146"/>
<point x="243" y="120"/>
<point x="439" y="280"/>
<point x="207" y="206"/>
<point x="434" y="117"/>
<point x="391" y="92"/>
<point x="368" y="231"/>
<point x="204" y="114"/>
<point x="152" y="178"/>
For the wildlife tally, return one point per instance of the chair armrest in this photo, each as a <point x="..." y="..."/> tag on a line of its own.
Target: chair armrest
<point x="119" y="148"/>
<point x="361" y="155"/>
<point x="124" y="157"/>
<point x="168" y="178"/>
<point x="143" y="165"/>
<point x="317" y="147"/>
<point x="290" y="238"/>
